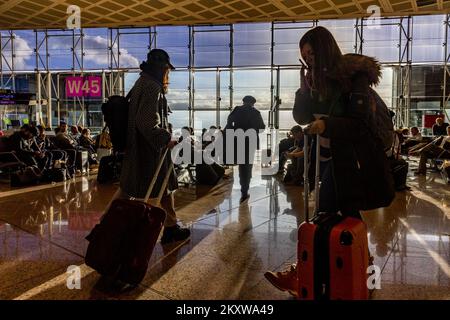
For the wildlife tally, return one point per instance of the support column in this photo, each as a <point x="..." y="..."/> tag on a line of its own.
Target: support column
<point x="445" y="92"/>
<point x="49" y="100"/>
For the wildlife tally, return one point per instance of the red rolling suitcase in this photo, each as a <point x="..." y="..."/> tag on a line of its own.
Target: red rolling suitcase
<point x="121" y="245"/>
<point x="332" y="251"/>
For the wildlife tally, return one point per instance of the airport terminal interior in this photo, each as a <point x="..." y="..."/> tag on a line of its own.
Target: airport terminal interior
<point x="54" y="72"/>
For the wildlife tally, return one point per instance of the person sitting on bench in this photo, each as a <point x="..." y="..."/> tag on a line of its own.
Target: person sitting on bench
<point x="45" y="145"/>
<point x="65" y="142"/>
<point x="434" y="151"/>
<point x="285" y="145"/>
<point x="294" y="173"/>
<point x="21" y="143"/>
<point x="413" y="140"/>
<point x="88" y="143"/>
<point x="440" y="127"/>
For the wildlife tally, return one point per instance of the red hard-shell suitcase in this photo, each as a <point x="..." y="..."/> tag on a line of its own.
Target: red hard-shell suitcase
<point x="332" y="251"/>
<point x="349" y="259"/>
<point x="121" y="245"/>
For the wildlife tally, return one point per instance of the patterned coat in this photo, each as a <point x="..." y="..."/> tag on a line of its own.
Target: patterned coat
<point x="146" y="140"/>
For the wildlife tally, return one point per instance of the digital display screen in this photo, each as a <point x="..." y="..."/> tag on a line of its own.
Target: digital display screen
<point x="15" y="98"/>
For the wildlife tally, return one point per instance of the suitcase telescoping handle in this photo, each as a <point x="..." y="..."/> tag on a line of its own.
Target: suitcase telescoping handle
<point x="306" y="157"/>
<point x="155" y="177"/>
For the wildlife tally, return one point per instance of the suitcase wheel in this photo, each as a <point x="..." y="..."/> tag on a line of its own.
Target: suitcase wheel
<point x="304" y="293"/>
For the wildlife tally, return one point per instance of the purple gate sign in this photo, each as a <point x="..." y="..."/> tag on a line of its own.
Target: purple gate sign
<point x="90" y="86"/>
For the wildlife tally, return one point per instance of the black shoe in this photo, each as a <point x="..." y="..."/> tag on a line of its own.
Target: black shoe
<point x="244" y="198"/>
<point x="175" y="234"/>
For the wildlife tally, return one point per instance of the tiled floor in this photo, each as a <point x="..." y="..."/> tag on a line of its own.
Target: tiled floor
<point x="42" y="232"/>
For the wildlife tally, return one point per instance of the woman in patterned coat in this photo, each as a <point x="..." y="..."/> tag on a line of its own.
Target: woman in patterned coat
<point x="148" y="137"/>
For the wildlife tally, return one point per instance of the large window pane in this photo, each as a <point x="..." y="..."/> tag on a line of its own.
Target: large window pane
<point x="252" y="44"/>
<point x="289" y="84"/>
<point x="212" y="48"/>
<point x="205" y="91"/>
<point x="225" y="90"/>
<point x="24" y="44"/>
<point x="252" y="82"/>
<point x="286" y="120"/>
<point x="286" y="42"/>
<point x="175" y="40"/>
<point x="96" y="53"/>
<point x="134" y="45"/>
<point x="428" y="37"/>
<point x="178" y="95"/>
<point x="344" y="33"/>
<point x="204" y="119"/>
<point x="130" y="79"/>
<point x="223" y="118"/>
<point x="60" y="45"/>
<point x="384" y="89"/>
<point x="179" y="119"/>
<point x="382" y="42"/>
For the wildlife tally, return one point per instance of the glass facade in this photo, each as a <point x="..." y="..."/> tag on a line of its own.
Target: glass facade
<point x="218" y="65"/>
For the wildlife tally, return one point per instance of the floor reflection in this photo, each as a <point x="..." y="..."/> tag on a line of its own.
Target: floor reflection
<point x="42" y="232"/>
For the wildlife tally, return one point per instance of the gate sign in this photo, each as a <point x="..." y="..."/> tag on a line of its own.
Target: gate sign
<point x="90" y="86"/>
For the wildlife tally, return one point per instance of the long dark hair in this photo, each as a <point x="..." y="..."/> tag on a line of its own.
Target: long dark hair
<point x="155" y="70"/>
<point x="327" y="56"/>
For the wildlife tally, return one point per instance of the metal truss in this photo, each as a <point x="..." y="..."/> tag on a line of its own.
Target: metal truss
<point x="359" y="35"/>
<point x="7" y="57"/>
<point x="404" y="74"/>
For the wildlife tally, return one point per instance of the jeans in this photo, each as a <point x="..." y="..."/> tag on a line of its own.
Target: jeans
<point x="327" y="195"/>
<point x="245" y="175"/>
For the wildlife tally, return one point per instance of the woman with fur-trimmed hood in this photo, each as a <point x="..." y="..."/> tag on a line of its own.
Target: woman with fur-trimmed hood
<point x="337" y="102"/>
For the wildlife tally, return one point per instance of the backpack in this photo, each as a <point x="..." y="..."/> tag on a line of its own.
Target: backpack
<point x="115" y="113"/>
<point x="381" y="120"/>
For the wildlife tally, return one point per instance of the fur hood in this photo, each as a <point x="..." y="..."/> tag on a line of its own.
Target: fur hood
<point x="351" y="64"/>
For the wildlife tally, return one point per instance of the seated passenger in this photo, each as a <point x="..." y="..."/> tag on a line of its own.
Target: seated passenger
<point x="45" y="145"/>
<point x="440" y="127"/>
<point x="413" y="140"/>
<point x="88" y="143"/>
<point x="434" y="151"/>
<point x="63" y="140"/>
<point x="21" y="143"/>
<point x="75" y="134"/>
<point x="285" y="145"/>
<point x="295" y="170"/>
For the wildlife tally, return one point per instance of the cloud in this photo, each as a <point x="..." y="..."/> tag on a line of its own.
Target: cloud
<point x="23" y="52"/>
<point x="96" y="51"/>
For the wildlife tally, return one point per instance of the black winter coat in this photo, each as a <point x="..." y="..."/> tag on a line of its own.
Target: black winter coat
<point x="361" y="171"/>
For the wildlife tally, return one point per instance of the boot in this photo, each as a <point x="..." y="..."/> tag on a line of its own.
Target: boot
<point x="284" y="280"/>
<point x="175" y="234"/>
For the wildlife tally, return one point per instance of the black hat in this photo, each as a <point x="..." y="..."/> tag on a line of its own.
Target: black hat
<point x="159" y="56"/>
